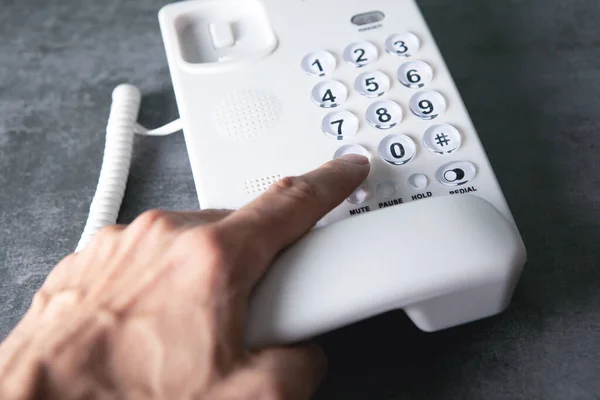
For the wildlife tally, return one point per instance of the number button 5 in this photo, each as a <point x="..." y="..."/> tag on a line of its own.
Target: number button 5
<point x="372" y="84"/>
<point x="415" y="74"/>
<point x="360" y="54"/>
<point x="340" y="124"/>
<point x="321" y="63"/>
<point x="329" y="94"/>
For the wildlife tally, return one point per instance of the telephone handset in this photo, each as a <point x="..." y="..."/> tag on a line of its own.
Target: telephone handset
<point x="270" y="88"/>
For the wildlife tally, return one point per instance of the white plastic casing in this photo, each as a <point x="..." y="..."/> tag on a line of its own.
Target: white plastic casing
<point x="249" y="120"/>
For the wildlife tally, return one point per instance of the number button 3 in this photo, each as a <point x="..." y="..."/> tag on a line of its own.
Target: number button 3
<point x="397" y="149"/>
<point x="415" y="74"/>
<point x="428" y="104"/>
<point x="321" y="63"/>
<point x="360" y="54"/>
<point x="384" y="114"/>
<point x="329" y="94"/>
<point x="372" y="84"/>
<point x="402" y="44"/>
<point x="340" y="124"/>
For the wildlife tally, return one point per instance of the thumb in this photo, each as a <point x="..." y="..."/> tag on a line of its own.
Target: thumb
<point x="292" y="373"/>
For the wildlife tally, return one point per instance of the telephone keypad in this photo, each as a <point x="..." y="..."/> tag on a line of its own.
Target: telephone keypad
<point x="427" y="104"/>
<point x="415" y="74"/>
<point x="372" y="84"/>
<point x="329" y="94"/>
<point x="360" y="54"/>
<point x="384" y="114"/>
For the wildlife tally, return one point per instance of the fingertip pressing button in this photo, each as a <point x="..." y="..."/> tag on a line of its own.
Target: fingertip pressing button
<point x="320" y="63"/>
<point x="360" y="54"/>
<point x="352" y="149"/>
<point x="418" y="181"/>
<point x="329" y="94"/>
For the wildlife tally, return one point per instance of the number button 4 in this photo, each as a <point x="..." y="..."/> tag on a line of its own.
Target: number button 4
<point x="428" y="104"/>
<point x="329" y="94"/>
<point x="397" y="149"/>
<point x="340" y="124"/>
<point x="360" y="54"/>
<point x="415" y="74"/>
<point x="402" y="44"/>
<point x="384" y="114"/>
<point x="321" y="63"/>
<point x="372" y="84"/>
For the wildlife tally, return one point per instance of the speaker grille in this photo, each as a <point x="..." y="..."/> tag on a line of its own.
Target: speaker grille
<point x="262" y="184"/>
<point x="247" y="113"/>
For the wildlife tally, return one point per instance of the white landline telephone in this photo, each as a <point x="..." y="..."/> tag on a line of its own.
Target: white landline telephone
<point x="271" y="88"/>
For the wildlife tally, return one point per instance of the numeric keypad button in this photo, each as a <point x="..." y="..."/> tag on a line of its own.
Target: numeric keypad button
<point x="397" y="149"/>
<point x="340" y="124"/>
<point x="428" y="104"/>
<point x="321" y="63"/>
<point x="402" y="44"/>
<point x="384" y="114"/>
<point x="351" y="149"/>
<point x="415" y="74"/>
<point x="442" y="139"/>
<point x="372" y="84"/>
<point x="329" y="94"/>
<point x="360" y="54"/>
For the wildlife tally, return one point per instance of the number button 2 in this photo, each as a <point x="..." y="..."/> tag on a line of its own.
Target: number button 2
<point x="329" y="94"/>
<point x="402" y="44"/>
<point x="372" y="84"/>
<point x="428" y="104"/>
<point x="397" y="149"/>
<point x="384" y="114"/>
<point x="415" y="74"/>
<point x="340" y="124"/>
<point x="321" y="63"/>
<point x="360" y="54"/>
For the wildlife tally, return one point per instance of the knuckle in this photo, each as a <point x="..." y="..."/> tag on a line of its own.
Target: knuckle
<point x="155" y="220"/>
<point x="297" y="187"/>
<point x="107" y="233"/>
<point x="207" y="243"/>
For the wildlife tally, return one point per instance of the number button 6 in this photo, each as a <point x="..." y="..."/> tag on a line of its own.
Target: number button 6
<point x="340" y="124"/>
<point x="372" y="84"/>
<point x="415" y="74"/>
<point x="384" y="114"/>
<point x="329" y="94"/>
<point x="360" y="54"/>
<point x="428" y="104"/>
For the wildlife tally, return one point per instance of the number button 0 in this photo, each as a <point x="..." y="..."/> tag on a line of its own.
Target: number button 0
<point x="428" y="104"/>
<point x="415" y="74"/>
<point x="397" y="149"/>
<point x="360" y="54"/>
<point x="329" y="94"/>
<point x="340" y="124"/>
<point x="372" y="84"/>
<point x="384" y="114"/>
<point x="402" y="44"/>
<point x="320" y="63"/>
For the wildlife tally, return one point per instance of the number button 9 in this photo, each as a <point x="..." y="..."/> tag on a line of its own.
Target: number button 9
<point x="372" y="84"/>
<point x="415" y="74"/>
<point x="397" y="149"/>
<point x="384" y="114"/>
<point x="402" y="44"/>
<point x="321" y="63"/>
<point x="340" y="124"/>
<point x="329" y="94"/>
<point x="428" y="104"/>
<point x="360" y="54"/>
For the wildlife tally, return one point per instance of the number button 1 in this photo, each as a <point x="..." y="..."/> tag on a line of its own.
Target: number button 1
<point x="372" y="84"/>
<point x="320" y="63"/>
<point x="402" y="44"/>
<point x="340" y="124"/>
<point x="329" y="94"/>
<point x="428" y="104"/>
<point x="415" y="74"/>
<point x="384" y="114"/>
<point x="397" y="149"/>
<point x="360" y="54"/>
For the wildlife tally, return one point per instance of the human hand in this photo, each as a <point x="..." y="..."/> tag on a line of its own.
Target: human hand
<point x="156" y="310"/>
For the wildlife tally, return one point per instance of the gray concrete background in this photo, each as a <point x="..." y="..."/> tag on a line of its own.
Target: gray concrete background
<point x="529" y="71"/>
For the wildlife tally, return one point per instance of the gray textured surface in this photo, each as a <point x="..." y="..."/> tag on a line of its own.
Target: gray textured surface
<point x="529" y="72"/>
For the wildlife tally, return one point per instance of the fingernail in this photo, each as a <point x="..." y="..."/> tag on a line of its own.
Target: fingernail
<point x="355" y="159"/>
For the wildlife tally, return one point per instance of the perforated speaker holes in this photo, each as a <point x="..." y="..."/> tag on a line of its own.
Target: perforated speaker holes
<point x="262" y="184"/>
<point x="247" y="113"/>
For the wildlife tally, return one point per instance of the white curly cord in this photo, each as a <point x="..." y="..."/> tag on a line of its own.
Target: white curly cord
<point x="120" y="132"/>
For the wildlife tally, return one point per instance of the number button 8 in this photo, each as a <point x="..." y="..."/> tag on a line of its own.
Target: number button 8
<point x="384" y="114"/>
<point x="372" y="84"/>
<point x="415" y="74"/>
<point x="428" y="104"/>
<point x="320" y="63"/>
<point x="360" y="54"/>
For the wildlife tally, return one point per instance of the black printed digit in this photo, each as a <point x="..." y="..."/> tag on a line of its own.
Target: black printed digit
<point x="397" y="150"/>
<point x="372" y="86"/>
<point x="339" y="122"/>
<point x="383" y="115"/>
<point x="401" y="47"/>
<point x="361" y="56"/>
<point x="426" y="107"/>
<point x="328" y="96"/>
<point x="317" y="64"/>
<point x="413" y="76"/>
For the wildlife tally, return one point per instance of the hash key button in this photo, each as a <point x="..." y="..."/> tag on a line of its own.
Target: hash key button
<point x="442" y="139"/>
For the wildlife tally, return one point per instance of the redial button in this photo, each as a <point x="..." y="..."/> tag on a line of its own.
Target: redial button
<point x="456" y="173"/>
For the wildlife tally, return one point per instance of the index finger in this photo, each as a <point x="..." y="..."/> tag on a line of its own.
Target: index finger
<point x="291" y="207"/>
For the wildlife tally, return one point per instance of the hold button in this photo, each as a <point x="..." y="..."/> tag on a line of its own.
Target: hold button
<point x="456" y="173"/>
